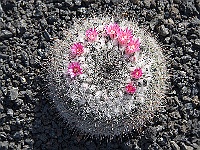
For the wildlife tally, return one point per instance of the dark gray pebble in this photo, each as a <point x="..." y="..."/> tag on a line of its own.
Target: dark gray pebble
<point x="10" y="112"/>
<point x="5" y="34"/>
<point x="1" y="9"/>
<point x="3" y="135"/>
<point x="4" y="145"/>
<point x="3" y="56"/>
<point x="6" y="128"/>
<point x="78" y="2"/>
<point x="1" y="108"/>
<point x="13" y="93"/>
<point x="28" y="141"/>
<point x="174" y="145"/>
<point x="147" y="3"/>
<point x="116" y="1"/>
<point x="197" y="43"/>
<point x="162" y="141"/>
<point x="46" y="36"/>
<point x="175" y="115"/>
<point x="18" y="135"/>
<point x="18" y="102"/>
<point x="51" y="20"/>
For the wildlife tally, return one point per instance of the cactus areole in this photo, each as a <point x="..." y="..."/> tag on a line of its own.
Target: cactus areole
<point x="106" y="78"/>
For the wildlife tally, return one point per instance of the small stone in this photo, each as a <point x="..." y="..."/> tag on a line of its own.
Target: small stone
<point x="46" y="36"/>
<point x="187" y="99"/>
<point x="136" y="2"/>
<point x="13" y="93"/>
<point x="3" y="135"/>
<point x="28" y="94"/>
<point x="196" y="145"/>
<point x="3" y="56"/>
<point x="162" y="141"/>
<point x="2" y="46"/>
<point x="22" y="30"/>
<point x="167" y="40"/>
<point x="12" y="145"/>
<point x="189" y="106"/>
<point x="88" y="0"/>
<point x="1" y="10"/>
<point x="43" y="22"/>
<point x="22" y="79"/>
<point x="4" y="90"/>
<point x="185" y="90"/>
<point x="1" y="108"/>
<point x="29" y="142"/>
<point x="163" y="30"/>
<point x="6" y="128"/>
<point x="170" y="21"/>
<point x="10" y="112"/>
<point x="82" y="10"/>
<point x="1" y="94"/>
<point x="186" y="58"/>
<point x="27" y="35"/>
<point x="147" y="3"/>
<point x="174" y="145"/>
<point x="4" y="145"/>
<point x="107" y="1"/>
<point x="195" y="100"/>
<point x="175" y="115"/>
<point x="24" y="56"/>
<point x="78" y="2"/>
<point x="5" y="34"/>
<point x="184" y="147"/>
<point x="38" y="14"/>
<point x="177" y="1"/>
<point x="18" y="135"/>
<point x="197" y="43"/>
<point x="175" y="12"/>
<point x="51" y="20"/>
<point x="70" y="3"/>
<point x="18" y="122"/>
<point x="116" y="1"/>
<point x="198" y="4"/>
<point x="18" y="102"/>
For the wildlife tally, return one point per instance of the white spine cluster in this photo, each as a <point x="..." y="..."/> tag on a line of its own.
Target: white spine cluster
<point x="95" y="101"/>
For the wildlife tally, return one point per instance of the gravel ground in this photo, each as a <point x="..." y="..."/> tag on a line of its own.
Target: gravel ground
<point x="27" y="119"/>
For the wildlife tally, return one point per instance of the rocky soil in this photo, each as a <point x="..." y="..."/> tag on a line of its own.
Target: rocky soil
<point x="27" y="29"/>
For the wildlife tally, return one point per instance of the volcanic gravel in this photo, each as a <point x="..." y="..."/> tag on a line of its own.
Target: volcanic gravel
<point x="27" y="117"/>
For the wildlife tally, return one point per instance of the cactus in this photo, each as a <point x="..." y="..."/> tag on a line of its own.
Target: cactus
<point x="107" y="78"/>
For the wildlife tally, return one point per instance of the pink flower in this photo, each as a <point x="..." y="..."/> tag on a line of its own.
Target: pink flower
<point x="74" y="69"/>
<point x="130" y="89"/>
<point x="124" y="36"/>
<point x="112" y="30"/>
<point x="77" y="49"/>
<point x="137" y="73"/>
<point x="133" y="46"/>
<point x="91" y="34"/>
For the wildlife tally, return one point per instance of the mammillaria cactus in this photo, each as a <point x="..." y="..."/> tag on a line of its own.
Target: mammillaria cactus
<point x="107" y="78"/>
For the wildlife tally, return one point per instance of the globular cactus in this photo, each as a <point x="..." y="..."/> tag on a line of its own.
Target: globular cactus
<point x="107" y="77"/>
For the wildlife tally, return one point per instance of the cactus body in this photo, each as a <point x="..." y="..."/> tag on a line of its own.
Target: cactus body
<point x="96" y="100"/>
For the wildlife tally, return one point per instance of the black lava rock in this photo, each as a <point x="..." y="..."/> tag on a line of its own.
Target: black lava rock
<point x="5" y="34"/>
